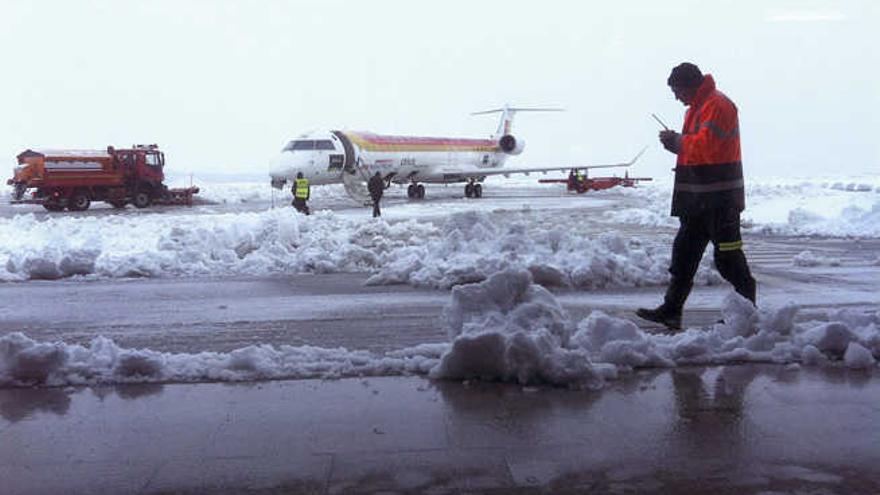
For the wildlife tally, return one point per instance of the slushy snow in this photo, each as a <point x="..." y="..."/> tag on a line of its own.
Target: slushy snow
<point x="505" y="328"/>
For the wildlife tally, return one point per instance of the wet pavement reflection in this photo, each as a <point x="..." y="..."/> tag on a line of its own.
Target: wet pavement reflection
<point x="733" y="429"/>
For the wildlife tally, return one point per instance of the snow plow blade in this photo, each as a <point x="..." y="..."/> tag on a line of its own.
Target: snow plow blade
<point x="178" y="196"/>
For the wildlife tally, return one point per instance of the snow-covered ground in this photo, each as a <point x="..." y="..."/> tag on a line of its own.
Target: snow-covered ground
<point x="502" y="325"/>
<point x="434" y="244"/>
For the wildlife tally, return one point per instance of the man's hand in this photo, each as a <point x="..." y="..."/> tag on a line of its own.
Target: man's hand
<point x="671" y="140"/>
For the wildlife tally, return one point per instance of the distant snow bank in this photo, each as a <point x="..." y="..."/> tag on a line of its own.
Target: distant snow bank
<point x="791" y="206"/>
<point x="503" y="329"/>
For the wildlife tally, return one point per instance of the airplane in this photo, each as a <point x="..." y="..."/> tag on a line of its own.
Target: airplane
<point x="352" y="157"/>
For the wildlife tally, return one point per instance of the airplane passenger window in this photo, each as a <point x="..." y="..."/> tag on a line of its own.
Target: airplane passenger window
<point x="324" y="145"/>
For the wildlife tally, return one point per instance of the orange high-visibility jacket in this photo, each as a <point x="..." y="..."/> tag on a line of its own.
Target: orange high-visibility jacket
<point x="708" y="173"/>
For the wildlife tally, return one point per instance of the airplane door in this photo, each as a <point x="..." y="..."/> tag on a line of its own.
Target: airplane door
<point x="323" y="149"/>
<point x="348" y="163"/>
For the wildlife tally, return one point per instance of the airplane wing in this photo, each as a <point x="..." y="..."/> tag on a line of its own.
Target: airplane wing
<point x="476" y="173"/>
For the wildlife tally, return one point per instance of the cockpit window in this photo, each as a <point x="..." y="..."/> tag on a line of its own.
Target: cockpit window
<point x="300" y="144"/>
<point x="324" y="145"/>
<point x="308" y="144"/>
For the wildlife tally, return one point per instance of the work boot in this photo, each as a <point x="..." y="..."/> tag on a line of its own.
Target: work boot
<point x="661" y="315"/>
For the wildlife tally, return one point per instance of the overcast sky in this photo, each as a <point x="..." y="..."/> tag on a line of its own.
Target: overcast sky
<point x="222" y="85"/>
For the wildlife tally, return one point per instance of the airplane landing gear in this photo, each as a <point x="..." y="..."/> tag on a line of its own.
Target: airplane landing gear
<point x="415" y="191"/>
<point x="472" y="190"/>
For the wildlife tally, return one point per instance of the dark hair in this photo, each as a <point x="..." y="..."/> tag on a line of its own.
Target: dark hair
<point x="685" y="75"/>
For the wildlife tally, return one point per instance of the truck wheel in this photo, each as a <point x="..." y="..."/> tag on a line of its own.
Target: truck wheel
<point x="80" y="201"/>
<point x="20" y="188"/>
<point x="478" y="191"/>
<point x="141" y="199"/>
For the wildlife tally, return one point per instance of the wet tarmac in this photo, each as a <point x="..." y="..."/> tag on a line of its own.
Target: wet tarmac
<point x="751" y="429"/>
<point x="741" y="429"/>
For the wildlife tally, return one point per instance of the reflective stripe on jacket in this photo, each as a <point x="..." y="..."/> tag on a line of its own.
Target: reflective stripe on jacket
<point x="301" y="189"/>
<point x="708" y="172"/>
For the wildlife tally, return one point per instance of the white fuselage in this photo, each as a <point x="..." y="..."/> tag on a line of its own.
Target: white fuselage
<point x="323" y="158"/>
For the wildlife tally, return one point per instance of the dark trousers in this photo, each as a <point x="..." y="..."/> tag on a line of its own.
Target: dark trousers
<point x="721" y="226"/>
<point x="301" y="206"/>
<point x="376" y="212"/>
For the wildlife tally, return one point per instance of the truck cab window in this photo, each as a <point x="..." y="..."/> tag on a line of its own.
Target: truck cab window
<point x="152" y="159"/>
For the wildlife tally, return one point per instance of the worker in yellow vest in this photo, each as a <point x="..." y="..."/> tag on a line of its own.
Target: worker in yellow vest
<point x="301" y="194"/>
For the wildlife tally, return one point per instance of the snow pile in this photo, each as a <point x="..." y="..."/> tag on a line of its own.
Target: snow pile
<point x="512" y="330"/>
<point x="156" y="245"/>
<point x="469" y="247"/>
<point x="853" y="221"/>
<point x="474" y="245"/>
<point x="503" y="329"/>
<point x="25" y="362"/>
<point x="808" y="258"/>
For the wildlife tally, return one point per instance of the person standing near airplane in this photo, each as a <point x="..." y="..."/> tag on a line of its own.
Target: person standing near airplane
<point x="377" y="187"/>
<point x="708" y="195"/>
<point x="301" y="193"/>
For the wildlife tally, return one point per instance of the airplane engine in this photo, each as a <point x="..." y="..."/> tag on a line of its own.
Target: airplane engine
<point x="511" y="145"/>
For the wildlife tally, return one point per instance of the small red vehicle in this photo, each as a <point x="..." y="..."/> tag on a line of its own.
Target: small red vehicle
<point x="579" y="182"/>
<point x="72" y="179"/>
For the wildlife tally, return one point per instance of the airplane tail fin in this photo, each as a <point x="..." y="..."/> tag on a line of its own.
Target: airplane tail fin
<point x="507" y="113"/>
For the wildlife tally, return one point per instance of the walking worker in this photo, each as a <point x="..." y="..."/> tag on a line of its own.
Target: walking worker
<point x="708" y="195"/>
<point x="377" y="187"/>
<point x="301" y="193"/>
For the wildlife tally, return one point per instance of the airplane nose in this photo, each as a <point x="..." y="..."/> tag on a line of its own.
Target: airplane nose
<point x="281" y="170"/>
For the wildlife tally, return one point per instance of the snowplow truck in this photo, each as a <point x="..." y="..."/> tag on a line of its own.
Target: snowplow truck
<point x="72" y="179"/>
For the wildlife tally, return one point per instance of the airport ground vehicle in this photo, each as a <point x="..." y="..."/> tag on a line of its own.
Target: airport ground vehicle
<point x="72" y="179"/>
<point x="579" y="182"/>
